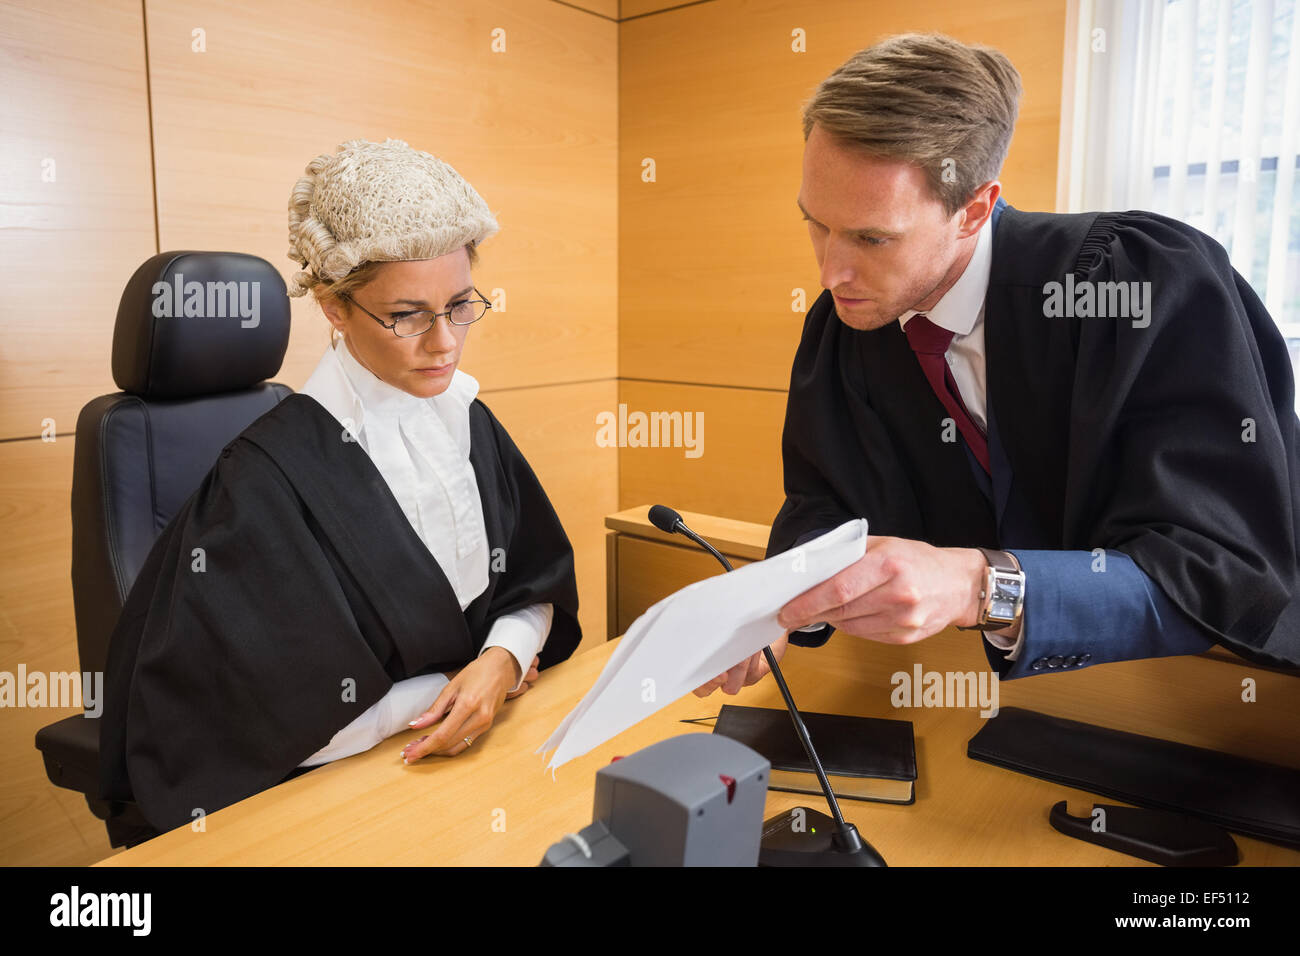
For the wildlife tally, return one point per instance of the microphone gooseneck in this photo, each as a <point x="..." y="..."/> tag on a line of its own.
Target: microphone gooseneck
<point x="847" y="838"/>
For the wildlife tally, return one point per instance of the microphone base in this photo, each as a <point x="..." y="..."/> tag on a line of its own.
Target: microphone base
<point x="816" y="843"/>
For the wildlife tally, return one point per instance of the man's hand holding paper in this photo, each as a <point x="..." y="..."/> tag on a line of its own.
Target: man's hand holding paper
<point x="703" y="630"/>
<point x="899" y="592"/>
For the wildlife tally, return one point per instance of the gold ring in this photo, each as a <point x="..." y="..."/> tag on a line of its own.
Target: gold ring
<point x="469" y="741"/>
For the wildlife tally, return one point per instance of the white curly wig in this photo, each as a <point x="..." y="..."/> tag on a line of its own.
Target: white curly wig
<point x="379" y="202"/>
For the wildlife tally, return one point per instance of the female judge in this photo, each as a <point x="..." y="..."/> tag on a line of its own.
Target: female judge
<point x="378" y="553"/>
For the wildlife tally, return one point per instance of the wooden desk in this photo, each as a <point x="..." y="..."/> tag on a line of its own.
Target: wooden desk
<point x="372" y="810"/>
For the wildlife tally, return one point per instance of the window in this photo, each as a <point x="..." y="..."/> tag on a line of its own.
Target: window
<point x="1191" y="108"/>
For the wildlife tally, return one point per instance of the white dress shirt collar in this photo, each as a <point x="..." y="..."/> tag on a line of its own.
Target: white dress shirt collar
<point x="420" y="446"/>
<point x="962" y="305"/>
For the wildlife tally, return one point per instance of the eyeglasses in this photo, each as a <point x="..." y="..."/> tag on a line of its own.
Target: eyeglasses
<point x="407" y="325"/>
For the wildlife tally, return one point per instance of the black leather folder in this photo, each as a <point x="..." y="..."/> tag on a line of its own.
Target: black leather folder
<point x="1245" y="796"/>
<point x="865" y="758"/>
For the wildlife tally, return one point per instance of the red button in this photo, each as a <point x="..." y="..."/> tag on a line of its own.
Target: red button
<point x="730" y="784"/>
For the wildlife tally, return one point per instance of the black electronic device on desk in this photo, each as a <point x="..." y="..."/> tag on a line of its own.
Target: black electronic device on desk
<point x="693" y="800"/>
<point x="1170" y="839"/>
<point x="1246" y="796"/>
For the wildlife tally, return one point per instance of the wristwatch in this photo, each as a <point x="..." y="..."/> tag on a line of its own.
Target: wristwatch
<point x="1003" y="596"/>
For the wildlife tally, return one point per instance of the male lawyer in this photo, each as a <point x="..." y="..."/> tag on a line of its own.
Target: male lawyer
<point x="1082" y="486"/>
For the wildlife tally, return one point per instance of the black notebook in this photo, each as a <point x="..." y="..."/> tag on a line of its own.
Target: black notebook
<point x="865" y="758"/>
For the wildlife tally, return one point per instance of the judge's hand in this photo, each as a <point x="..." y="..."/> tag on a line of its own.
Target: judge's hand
<point x="899" y="592"/>
<point x="467" y="705"/>
<point x="529" y="679"/>
<point x="749" y="671"/>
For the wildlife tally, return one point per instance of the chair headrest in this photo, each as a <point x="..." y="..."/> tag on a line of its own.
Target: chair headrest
<point x="196" y="323"/>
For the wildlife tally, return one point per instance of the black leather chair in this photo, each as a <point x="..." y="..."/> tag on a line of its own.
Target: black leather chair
<point x="190" y="384"/>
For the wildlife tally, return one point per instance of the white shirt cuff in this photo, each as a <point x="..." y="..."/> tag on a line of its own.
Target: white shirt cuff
<point x="391" y="714"/>
<point x="523" y="633"/>
<point x="1012" y="644"/>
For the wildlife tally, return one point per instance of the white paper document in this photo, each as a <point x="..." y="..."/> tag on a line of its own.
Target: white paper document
<point x="692" y="636"/>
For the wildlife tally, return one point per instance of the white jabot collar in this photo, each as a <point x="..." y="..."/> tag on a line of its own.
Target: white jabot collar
<point x="421" y="448"/>
<point x="961" y="306"/>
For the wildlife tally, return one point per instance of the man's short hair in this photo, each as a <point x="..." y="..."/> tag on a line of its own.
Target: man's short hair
<point x="928" y="100"/>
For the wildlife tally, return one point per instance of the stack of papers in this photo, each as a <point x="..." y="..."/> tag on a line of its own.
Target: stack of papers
<point x="692" y="636"/>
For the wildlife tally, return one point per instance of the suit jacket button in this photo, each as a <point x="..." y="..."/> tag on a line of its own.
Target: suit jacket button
<point x="1037" y="665"/>
<point x="1054" y="661"/>
<point x="1071" y="660"/>
<point x="1085" y="658"/>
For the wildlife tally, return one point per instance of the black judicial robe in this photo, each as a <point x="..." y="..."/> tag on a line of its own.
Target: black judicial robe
<point x="1175" y="444"/>
<point x="221" y="681"/>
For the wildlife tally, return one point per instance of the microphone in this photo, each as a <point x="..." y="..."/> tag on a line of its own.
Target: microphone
<point x="838" y="843"/>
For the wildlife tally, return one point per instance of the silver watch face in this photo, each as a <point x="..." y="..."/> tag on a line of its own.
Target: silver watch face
<point x="1008" y="590"/>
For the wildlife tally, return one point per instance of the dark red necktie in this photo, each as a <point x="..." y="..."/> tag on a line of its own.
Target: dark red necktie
<point x="930" y="342"/>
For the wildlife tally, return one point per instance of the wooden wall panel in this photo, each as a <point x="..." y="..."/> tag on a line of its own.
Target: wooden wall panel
<point x="712" y="249"/>
<point x="74" y="108"/>
<point x="555" y="428"/>
<point x="604" y="8"/>
<point x="76" y="218"/>
<point x="644" y="565"/>
<point x="652" y="571"/>
<point x="39" y="823"/>
<point x="734" y="538"/>
<point x="531" y="128"/>
<point x="640" y="8"/>
<point x="534" y="128"/>
<point x="737" y="474"/>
